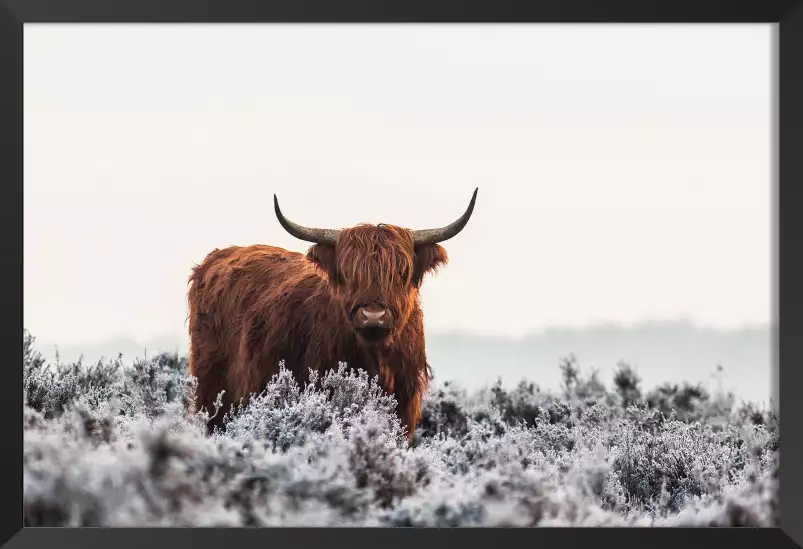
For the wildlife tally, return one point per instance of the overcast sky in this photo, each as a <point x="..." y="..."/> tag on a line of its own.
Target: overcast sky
<point x="624" y="170"/>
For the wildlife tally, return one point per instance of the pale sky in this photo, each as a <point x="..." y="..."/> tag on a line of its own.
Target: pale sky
<point x="624" y="170"/>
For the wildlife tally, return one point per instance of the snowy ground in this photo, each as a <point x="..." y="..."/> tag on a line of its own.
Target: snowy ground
<point x="112" y="446"/>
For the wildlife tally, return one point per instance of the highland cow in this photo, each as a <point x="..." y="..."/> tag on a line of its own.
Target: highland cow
<point x="354" y="297"/>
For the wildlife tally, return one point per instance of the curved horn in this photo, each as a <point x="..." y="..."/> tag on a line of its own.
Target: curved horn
<point x="318" y="236"/>
<point x="433" y="236"/>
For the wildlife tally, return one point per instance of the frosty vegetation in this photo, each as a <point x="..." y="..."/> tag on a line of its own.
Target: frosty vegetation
<point x="108" y="445"/>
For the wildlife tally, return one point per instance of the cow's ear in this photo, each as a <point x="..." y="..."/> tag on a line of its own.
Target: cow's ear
<point x="427" y="259"/>
<point x="323" y="255"/>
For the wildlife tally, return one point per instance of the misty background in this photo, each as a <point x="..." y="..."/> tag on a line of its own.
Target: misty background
<point x="625" y="175"/>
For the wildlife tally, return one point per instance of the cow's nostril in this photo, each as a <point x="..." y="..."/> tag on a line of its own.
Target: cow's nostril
<point x="373" y="317"/>
<point x="370" y="315"/>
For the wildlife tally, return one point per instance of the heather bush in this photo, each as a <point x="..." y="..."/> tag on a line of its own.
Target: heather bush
<point x="114" y="445"/>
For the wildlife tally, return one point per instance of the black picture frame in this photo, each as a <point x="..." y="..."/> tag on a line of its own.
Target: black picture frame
<point x="788" y="311"/>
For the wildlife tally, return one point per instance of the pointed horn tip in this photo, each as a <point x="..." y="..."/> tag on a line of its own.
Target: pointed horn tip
<point x="472" y="201"/>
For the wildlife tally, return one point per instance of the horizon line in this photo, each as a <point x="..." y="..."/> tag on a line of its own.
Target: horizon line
<point x="455" y="332"/>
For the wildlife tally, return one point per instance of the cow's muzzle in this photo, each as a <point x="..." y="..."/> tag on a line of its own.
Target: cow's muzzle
<point x="373" y="321"/>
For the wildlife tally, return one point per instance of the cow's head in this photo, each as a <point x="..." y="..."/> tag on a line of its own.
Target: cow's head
<point x="376" y="270"/>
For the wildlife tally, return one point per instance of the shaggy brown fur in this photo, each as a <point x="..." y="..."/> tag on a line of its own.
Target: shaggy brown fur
<point x="250" y="307"/>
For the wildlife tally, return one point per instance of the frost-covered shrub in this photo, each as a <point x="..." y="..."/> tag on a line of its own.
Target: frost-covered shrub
<point x="50" y="388"/>
<point x="628" y="384"/>
<point x="285" y="415"/>
<point x="689" y="402"/>
<point x="110" y="445"/>
<point x="150" y="385"/>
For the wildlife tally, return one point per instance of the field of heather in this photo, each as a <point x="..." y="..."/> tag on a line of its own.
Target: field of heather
<point x="112" y="445"/>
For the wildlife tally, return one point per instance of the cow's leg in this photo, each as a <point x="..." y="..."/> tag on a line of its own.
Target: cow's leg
<point x="209" y="369"/>
<point x="409" y="391"/>
<point x="409" y="412"/>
